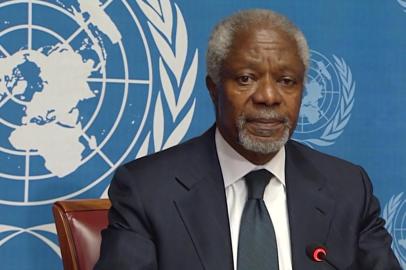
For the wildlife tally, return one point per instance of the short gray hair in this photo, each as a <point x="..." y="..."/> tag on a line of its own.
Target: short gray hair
<point x="222" y="36"/>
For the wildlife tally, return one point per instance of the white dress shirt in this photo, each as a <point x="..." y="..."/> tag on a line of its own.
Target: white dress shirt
<point x="234" y="167"/>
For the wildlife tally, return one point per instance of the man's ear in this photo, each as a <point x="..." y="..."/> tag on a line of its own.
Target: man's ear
<point x="212" y="87"/>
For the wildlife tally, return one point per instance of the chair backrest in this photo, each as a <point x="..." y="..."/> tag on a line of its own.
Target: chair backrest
<point x="79" y="223"/>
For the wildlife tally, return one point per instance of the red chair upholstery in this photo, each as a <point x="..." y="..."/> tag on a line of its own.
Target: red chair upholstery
<point x="78" y="223"/>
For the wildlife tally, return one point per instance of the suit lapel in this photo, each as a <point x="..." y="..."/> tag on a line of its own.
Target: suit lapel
<point x="203" y="208"/>
<point x="310" y="205"/>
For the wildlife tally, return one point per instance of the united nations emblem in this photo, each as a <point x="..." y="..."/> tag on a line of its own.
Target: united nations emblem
<point x="84" y="86"/>
<point x="76" y="88"/>
<point x="328" y="98"/>
<point x="394" y="213"/>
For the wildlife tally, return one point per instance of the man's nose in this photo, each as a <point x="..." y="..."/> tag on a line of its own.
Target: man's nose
<point x="267" y="93"/>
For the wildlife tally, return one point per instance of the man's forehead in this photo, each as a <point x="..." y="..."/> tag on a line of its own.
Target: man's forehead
<point x="262" y="34"/>
<point x="251" y="43"/>
<point x="260" y="45"/>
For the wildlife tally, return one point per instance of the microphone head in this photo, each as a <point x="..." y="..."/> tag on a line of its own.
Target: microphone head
<point x="316" y="252"/>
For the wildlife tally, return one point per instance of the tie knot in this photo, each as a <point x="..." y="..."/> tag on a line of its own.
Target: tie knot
<point x="256" y="183"/>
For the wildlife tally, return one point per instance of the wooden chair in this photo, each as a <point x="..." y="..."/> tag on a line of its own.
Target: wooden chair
<point x="79" y="223"/>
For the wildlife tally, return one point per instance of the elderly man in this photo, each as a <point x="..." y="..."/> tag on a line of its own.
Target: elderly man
<point x="243" y="196"/>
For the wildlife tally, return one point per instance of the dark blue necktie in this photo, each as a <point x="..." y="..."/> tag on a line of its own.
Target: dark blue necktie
<point x="257" y="249"/>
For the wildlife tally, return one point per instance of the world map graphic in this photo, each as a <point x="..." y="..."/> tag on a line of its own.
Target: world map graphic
<point x="49" y="83"/>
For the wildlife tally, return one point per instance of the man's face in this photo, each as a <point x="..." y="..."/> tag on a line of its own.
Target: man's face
<point x="258" y="98"/>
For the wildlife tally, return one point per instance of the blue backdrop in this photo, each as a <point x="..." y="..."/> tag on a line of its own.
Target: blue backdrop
<point x="87" y="85"/>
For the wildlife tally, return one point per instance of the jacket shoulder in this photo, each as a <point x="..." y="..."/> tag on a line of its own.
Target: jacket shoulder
<point x="319" y="159"/>
<point x="168" y="159"/>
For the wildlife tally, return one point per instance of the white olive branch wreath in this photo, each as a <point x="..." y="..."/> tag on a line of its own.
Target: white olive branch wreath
<point x="402" y="3"/>
<point x="388" y="213"/>
<point x="389" y="210"/>
<point x="336" y="127"/>
<point x="35" y="231"/>
<point x="172" y="43"/>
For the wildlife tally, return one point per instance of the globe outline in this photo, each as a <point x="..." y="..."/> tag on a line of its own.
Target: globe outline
<point x="106" y="138"/>
<point x="400" y="230"/>
<point x="301" y="124"/>
<point x="18" y="101"/>
<point x="60" y="38"/>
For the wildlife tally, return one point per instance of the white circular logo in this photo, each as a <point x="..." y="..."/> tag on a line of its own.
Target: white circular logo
<point x="76" y="92"/>
<point x="79" y="95"/>
<point x="327" y="101"/>
<point x="394" y="213"/>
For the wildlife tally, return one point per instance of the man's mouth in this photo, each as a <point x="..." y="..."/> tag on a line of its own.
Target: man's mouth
<point x="265" y="127"/>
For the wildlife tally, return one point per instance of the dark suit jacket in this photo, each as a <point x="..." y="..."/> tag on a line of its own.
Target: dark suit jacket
<point x="169" y="212"/>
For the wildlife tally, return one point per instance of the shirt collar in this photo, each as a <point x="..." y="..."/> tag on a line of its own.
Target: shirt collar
<point x="234" y="166"/>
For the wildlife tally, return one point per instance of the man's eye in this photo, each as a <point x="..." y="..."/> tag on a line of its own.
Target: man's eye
<point x="287" y="81"/>
<point x="244" y="80"/>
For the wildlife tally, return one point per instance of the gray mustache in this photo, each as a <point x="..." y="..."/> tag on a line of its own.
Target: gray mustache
<point x="265" y="115"/>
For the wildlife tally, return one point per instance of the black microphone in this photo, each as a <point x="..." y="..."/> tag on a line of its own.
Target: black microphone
<point x="318" y="253"/>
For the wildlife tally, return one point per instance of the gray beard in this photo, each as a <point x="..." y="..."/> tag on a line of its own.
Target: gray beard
<point x="250" y="143"/>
